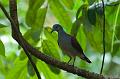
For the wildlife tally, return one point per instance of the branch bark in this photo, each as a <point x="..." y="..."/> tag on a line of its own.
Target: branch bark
<point x="13" y="14"/>
<point x="47" y="59"/>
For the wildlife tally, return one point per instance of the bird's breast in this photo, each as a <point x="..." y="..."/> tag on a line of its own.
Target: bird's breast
<point x="65" y="44"/>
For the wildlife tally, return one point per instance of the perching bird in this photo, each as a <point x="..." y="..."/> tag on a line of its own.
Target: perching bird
<point x="69" y="44"/>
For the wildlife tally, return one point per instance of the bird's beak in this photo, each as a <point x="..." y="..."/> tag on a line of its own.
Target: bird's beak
<point x="52" y="30"/>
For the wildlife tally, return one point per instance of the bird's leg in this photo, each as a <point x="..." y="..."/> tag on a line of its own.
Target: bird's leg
<point x="74" y="61"/>
<point x="70" y="59"/>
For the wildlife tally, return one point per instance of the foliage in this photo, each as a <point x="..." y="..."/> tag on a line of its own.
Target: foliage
<point x="82" y="19"/>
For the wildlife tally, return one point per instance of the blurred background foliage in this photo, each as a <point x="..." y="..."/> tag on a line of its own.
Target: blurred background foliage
<point x="80" y="18"/>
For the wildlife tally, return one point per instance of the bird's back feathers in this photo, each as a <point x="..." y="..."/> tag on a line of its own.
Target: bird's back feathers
<point x="77" y="46"/>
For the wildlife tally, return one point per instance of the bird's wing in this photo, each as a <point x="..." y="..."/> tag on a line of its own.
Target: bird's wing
<point x="76" y="45"/>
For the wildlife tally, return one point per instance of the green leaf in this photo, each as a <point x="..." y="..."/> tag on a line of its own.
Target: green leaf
<point x="85" y="19"/>
<point x="61" y="14"/>
<point x="51" y="36"/>
<point x="95" y="38"/>
<point x="48" y="74"/>
<point x="117" y="31"/>
<point x="75" y="26"/>
<point x="68" y="3"/>
<point x="82" y="38"/>
<point x="91" y="1"/>
<point x="22" y="55"/>
<point x="80" y="9"/>
<point x="32" y="11"/>
<point x="33" y="34"/>
<point x="2" y="48"/>
<point x="50" y="47"/>
<point x="18" y="69"/>
<point x="2" y="25"/>
<point x="116" y="48"/>
<point x="91" y="16"/>
<point x="54" y="70"/>
<point x="38" y="25"/>
<point x="23" y="74"/>
<point x="30" y="69"/>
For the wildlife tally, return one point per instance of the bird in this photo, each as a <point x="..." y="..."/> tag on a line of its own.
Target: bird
<point x="69" y="44"/>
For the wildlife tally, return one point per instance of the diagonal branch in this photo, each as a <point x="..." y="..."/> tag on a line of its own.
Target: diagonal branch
<point x="47" y="59"/>
<point x="13" y="14"/>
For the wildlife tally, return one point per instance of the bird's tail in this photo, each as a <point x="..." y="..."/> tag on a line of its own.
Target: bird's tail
<point x="85" y="58"/>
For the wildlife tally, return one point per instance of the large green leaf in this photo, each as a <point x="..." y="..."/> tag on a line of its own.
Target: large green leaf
<point x="33" y="34"/>
<point x="32" y="11"/>
<point x="68" y="3"/>
<point x="50" y="47"/>
<point x="38" y="25"/>
<point x="49" y="35"/>
<point x="95" y="38"/>
<point x="2" y="49"/>
<point x="48" y="74"/>
<point x="61" y="14"/>
<point x="18" y="69"/>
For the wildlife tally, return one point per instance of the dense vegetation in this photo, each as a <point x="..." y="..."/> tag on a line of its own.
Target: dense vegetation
<point x="80" y="18"/>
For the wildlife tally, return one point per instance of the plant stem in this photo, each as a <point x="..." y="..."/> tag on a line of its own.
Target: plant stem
<point x="114" y="27"/>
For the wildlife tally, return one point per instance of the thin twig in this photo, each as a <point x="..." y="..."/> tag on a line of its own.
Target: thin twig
<point x="103" y="37"/>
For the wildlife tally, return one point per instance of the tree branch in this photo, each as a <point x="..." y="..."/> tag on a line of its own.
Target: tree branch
<point x="13" y="14"/>
<point x="48" y="59"/>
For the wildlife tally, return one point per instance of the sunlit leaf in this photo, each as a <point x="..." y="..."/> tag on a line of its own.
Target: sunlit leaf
<point x="50" y="47"/>
<point x="19" y="68"/>
<point x="33" y="34"/>
<point x="32" y="11"/>
<point x="80" y="9"/>
<point x="47" y="72"/>
<point x="82" y="38"/>
<point x="60" y="13"/>
<point x="68" y="3"/>
<point x="23" y="74"/>
<point x="38" y="25"/>
<point x="49" y="35"/>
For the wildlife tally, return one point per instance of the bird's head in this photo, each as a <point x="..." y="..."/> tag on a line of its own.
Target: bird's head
<point x="56" y="27"/>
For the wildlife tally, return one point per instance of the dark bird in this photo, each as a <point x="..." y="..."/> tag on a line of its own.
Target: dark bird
<point x="69" y="44"/>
